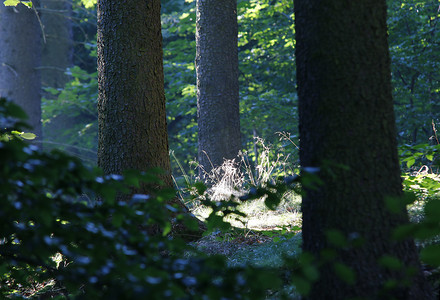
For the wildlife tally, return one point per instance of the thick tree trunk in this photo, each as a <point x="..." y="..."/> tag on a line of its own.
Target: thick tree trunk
<point x="217" y="82"/>
<point x="347" y="129"/>
<point x="20" y="59"/>
<point x="131" y="103"/>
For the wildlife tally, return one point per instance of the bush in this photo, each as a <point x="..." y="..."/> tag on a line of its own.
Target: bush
<point x="63" y="233"/>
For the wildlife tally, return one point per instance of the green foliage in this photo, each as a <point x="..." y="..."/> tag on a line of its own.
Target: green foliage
<point x="420" y="154"/>
<point x="11" y="114"/>
<point x="70" y="116"/>
<point x="178" y="30"/>
<point x="267" y="78"/>
<point x="88" y="3"/>
<point x="267" y="89"/>
<point x="62" y="227"/>
<point x="16" y="2"/>
<point x="413" y="27"/>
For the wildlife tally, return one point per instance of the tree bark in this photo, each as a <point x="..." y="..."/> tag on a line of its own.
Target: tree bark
<point x="217" y="82"/>
<point x="347" y="130"/>
<point x="20" y="59"/>
<point x="131" y="103"/>
<point x="57" y="54"/>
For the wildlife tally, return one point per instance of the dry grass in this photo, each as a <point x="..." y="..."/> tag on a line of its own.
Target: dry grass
<point x="234" y="177"/>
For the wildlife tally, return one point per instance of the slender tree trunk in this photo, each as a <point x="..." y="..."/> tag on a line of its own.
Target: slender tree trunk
<point x="20" y="59"/>
<point x="217" y="82"/>
<point x="347" y="130"/>
<point x="57" y="56"/>
<point x="57" y="53"/>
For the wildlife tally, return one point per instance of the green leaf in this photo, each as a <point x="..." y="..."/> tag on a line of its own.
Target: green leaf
<point x="107" y="193"/>
<point x="28" y="135"/>
<point x="410" y="162"/>
<point x="27" y="3"/>
<point x="131" y="177"/>
<point x="310" y="272"/>
<point x="191" y="223"/>
<point x="269" y="280"/>
<point x="409" y="197"/>
<point x="404" y="231"/>
<point x="201" y="188"/>
<point x="88" y="3"/>
<point x="336" y="238"/>
<point x="216" y="222"/>
<point x="391" y="284"/>
<point x="431" y="255"/>
<point x="272" y="201"/>
<point x="117" y="219"/>
<point x="302" y="286"/>
<point x="166" y="229"/>
<point x="345" y="273"/>
<point x="432" y="210"/>
<point x="390" y="262"/>
<point x="395" y="204"/>
<point x="328" y="254"/>
<point x="11" y="2"/>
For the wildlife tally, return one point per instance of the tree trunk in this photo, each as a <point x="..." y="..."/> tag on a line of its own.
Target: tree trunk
<point x="57" y="53"/>
<point x="131" y="103"/>
<point x="347" y="130"/>
<point x="217" y="82"/>
<point x="20" y="59"/>
<point x="57" y="56"/>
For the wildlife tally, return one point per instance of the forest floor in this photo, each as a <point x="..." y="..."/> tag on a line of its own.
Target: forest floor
<point x="264" y="237"/>
<point x="261" y="239"/>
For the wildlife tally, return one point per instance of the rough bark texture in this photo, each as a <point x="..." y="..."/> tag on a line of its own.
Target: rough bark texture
<point x="131" y="104"/>
<point x="217" y="82"/>
<point x="20" y="58"/>
<point x="347" y="119"/>
<point x="57" y="53"/>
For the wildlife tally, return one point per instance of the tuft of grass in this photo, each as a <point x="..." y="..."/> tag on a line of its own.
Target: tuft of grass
<point x="235" y="177"/>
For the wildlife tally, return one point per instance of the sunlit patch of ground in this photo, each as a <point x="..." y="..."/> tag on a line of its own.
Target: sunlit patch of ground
<point x="259" y="217"/>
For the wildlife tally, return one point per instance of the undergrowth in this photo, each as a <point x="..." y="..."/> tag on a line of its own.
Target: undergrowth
<point x="55" y="242"/>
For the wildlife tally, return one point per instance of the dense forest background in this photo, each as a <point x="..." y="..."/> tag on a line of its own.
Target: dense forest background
<point x="268" y="100"/>
<point x="262" y="227"/>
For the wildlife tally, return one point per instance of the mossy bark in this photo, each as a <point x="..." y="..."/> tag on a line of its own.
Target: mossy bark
<point x="347" y="130"/>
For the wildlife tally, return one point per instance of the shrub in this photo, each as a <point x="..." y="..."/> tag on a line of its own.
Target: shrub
<point x="63" y="234"/>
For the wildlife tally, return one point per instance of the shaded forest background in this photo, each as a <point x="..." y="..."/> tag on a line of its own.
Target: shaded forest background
<point x="268" y="100"/>
<point x="54" y="204"/>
